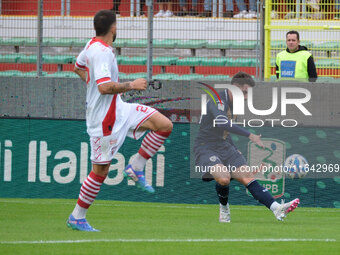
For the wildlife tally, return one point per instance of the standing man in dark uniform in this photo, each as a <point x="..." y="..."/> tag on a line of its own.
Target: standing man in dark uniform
<point x="222" y="161"/>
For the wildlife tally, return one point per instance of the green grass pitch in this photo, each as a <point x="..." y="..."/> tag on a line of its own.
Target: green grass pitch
<point x="37" y="226"/>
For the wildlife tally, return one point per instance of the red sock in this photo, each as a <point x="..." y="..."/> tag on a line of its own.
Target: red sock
<point x="90" y="189"/>
<point x="152" y="142"/>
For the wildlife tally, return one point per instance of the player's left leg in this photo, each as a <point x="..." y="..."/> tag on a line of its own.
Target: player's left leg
<point x="160" y="128"/>
<point x="88" y="193"/>
<point x="157" y="123"/>
<point x="103" y="150"/>
<point x="245" y="177"/>
<point x="207" y="158"/>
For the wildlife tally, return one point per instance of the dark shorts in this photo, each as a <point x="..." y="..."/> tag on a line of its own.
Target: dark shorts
<point x="207" y="155"/>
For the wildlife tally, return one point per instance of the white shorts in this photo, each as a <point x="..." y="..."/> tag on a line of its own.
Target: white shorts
<point x="103" y="149"/>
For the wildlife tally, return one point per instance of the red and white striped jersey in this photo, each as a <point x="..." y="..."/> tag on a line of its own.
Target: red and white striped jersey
<point x="102" y="111"/>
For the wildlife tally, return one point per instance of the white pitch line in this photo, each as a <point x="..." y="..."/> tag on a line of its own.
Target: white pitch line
<point x="166" y="241"/>
<point x="150" y="205"/>
<point x="107" y="205"/>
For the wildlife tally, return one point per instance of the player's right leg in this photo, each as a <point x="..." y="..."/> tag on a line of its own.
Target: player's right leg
<point x="103" y="150"/>
<point x="222" y="178"/>
<point x="283" y="209"/>
<point x="247" y="178"/>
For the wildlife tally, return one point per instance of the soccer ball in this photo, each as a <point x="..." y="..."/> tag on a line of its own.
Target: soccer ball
<point x="296" y="166"/>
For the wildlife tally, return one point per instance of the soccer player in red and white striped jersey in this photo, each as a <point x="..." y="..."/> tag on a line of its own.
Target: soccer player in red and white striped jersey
<point x="109" y="119"/>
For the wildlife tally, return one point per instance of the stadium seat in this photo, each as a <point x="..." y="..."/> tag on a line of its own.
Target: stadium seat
<point x="80" y="42"/>
<point x="18" y="41"/>
<point x="325" y="63"/>
<point x="10" y="73"/>
<point x="332" y="46"/>
<point x="134" y="76"/>
<point x="166" y="76"/>
<point x="273" y="62"/>
<point x="252" y="62"/>
<point x="9" y="58"/>
<point x="217" y="77"/>
<point x="119" y="58"/>
<point x="336" y="63"/>
<point x="188" y="77"/>
<point x="141" y="43"/>
<point x="15" y="41"/>
<point x="190" y="61"/>
<point x="249" y="44"/>
<point x="120" y="43"/>
<point x="220" y="44"/>
<point x="308" y="44"/>
<point x="164" y="61"/>
<point x="241" y="62"/>
<point x="139" y="60"/>
<point x="30" y="42"/>
<point x="63" y="75"/>
<point x="214" y="61"/>
<point x="27" y="58"/>
<point x="59" y="59"/>
<point x="123" y="76"/>
<point x="47" y="40"/>
<point x="278" y="44"/>
<point x="191" y="44"/>
<point x="166" y="43"/>
<point x="32" y="74"/>
<point x="61" y="42"/>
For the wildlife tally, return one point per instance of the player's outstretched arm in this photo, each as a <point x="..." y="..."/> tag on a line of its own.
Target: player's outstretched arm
<point x="116" y="88"/>
<point x="256" y="139"/>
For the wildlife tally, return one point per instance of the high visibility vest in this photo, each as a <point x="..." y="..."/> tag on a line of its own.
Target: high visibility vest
<point x="293" y="66"/>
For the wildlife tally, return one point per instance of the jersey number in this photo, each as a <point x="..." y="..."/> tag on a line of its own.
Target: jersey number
<point x="142" y="108"/>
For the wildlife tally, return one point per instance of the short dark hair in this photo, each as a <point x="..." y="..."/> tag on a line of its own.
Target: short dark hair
<point x="293" y="32"/>
<point x="103" y="21"/>
<point x="242" y="78"/>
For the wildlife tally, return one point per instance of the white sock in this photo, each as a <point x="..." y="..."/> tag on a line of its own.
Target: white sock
<point x="79" y="212"/>
<point x="224" y="206"/>
<point x="138" y="162"/>
<point x="274" y="206"/>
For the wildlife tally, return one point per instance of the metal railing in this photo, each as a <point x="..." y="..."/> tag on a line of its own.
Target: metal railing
<point x="181" y="45"/>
